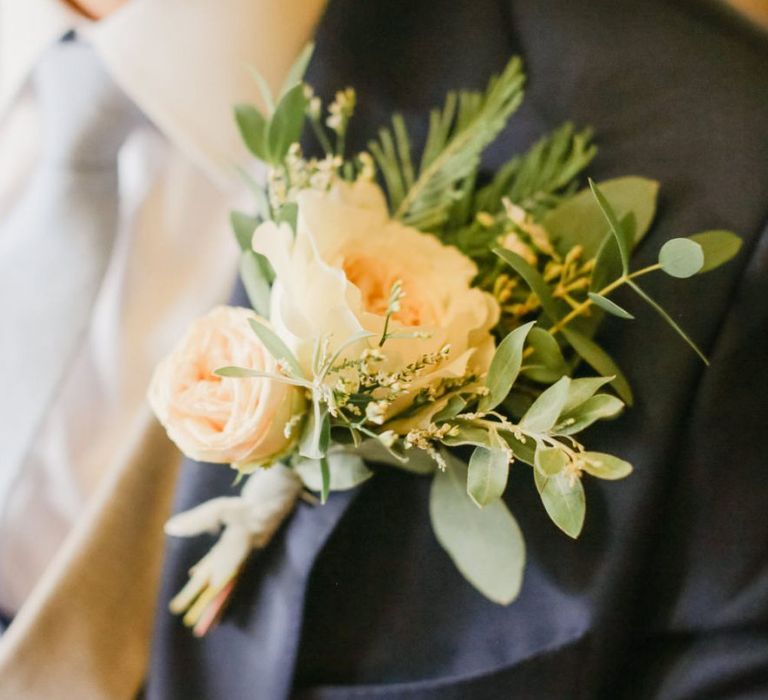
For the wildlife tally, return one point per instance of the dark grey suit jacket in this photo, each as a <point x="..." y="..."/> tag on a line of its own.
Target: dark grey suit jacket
<point x="666" y="593"/>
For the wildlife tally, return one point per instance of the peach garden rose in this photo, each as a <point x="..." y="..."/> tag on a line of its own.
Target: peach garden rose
<point x="335" y="277"/>
<point x="241" y="421"/>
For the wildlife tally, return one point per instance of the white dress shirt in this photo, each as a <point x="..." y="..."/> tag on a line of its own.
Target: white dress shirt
<point x="184" y="63"/>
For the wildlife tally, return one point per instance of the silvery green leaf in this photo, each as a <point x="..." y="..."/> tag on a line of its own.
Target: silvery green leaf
<point x="607" y="264"/>
<point x="549" y="461"/>
<point x="455" y="405"/>
<point x="346" y="469"/>
<point x="620" y="233"/>
<point x="546" y="363"/>
<point x="416" y="461"/>
<point x="563" y="499"/>
<point x="524" y="451"/>
<point x="298" y="69"/>
<point x="243" y="225"/>
<point x="681" y="257"/>
<point x="599" y="407"/>
<point x="579" y="221"/>
<point x="287" y="123"/>
<point x="505" y="366"/>
<point x="605" y="466"/>
<point x="255" y="280"/>
<point x="487" y="475"/>
<point x="277" y="348"/>
<point x="253" y="130"/>
<point x="485" y="544"/>
<point x="718" y="246"/>
<point x="600" y="361"/>
<point x="582" y="389"/>
<point x="316" y="434"/>
<point x="543" y="415"/>
<point x="610" y="306"/>
<point x="670" y="321"/>
<point x="467" y="434"/>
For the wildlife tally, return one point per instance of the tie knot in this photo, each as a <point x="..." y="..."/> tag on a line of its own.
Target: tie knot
<point x="85" y="114"/>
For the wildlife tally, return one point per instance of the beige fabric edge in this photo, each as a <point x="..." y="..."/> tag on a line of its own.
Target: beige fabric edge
<point x="86" y="628"/>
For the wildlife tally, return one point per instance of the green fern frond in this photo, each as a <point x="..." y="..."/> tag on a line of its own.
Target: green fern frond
<point x="458" y="134"/>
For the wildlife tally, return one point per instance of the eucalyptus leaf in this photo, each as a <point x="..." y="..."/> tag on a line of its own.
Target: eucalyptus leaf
<point x="485" y="544"/>
<point x="609" y="306"/>
<point x="468" y="434"/>
<point x="619" y="232"/>
<point x="487" y="475"/>
<point x="681" y="257"/>
<point x="582" y="389"/>
<point x="277" y="348"/>
<point x="347" y="470"/>
<point x="546" y="409"/>
<point x="718" y="246"/>
<point x="316" y="434"/>
<point x="253" y="128"/>
<point x="546" y="363"/>
<point x="298" y="69"/>
<point x="549" y="461"/>
<point x="455" y="405"/>
<point x="600" y="361"/>
<point x="505" y="366"/>
<point x="253" y="272"/>
<point x="415" y="461"/>
<point x="579" y="221"/>
<point x="605" y="466"/>
<point x="670" y="321"/>
<point x="564" y="501"/>
<point x="523" y="450"/>
<point x="243" y="225"/>
<point x="287" y="123"/>
<point x="598" y="407"/>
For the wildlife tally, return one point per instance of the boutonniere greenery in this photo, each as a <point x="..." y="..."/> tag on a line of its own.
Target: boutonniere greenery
<point x="405" y="310"/>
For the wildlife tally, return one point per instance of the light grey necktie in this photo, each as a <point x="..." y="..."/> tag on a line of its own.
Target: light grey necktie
<point x="57" y="241"/>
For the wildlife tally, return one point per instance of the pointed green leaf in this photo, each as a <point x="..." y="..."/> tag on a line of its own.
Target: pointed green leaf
<point x="681" y="257"/>
<point x="549" y="461"/>
<point x="253" y="130"/>
<point x="579" y="221"/>
<point x="619" y="233"/>
<point x="582" y="389"/>
<point x="298" y="69"/>
<point x="243" y="225"/>
<point x="505" y="366"/>
<point x="277" y="348"/>
<point x="670" y="321"/>
<point x="455" y="405"/>
<point x="609" y="306"/>
<point x="597" y="408"/>
<point x="607" y="264"/>
<point x="485" y="544"/>
<point x="564" y="501"/>
<point x="316" y="434"/>
<point x="255" y="280"/>
<point x="543" y="415"/>
<point x="605" y="466"/>
<point x="346" y="471"/>
<point x="600" y="361"/>
<point x="487" y="476"/>
<point x="718" y="246"/>
<point x="546" y="362"/>
<point x="287" y="123"/>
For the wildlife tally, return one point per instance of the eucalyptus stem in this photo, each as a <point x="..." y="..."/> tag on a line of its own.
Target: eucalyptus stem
<point x="587" y="303"/>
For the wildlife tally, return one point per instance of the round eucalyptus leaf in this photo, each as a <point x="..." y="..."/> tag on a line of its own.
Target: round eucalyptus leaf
<point x="681" y="257"/>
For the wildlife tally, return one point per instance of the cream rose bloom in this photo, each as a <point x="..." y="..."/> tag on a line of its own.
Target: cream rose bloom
<point x="334" y="280"/>
<point x="221" y="419"/>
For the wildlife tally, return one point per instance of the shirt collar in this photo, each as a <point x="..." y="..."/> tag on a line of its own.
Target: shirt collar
<point x="185" y="64"/>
